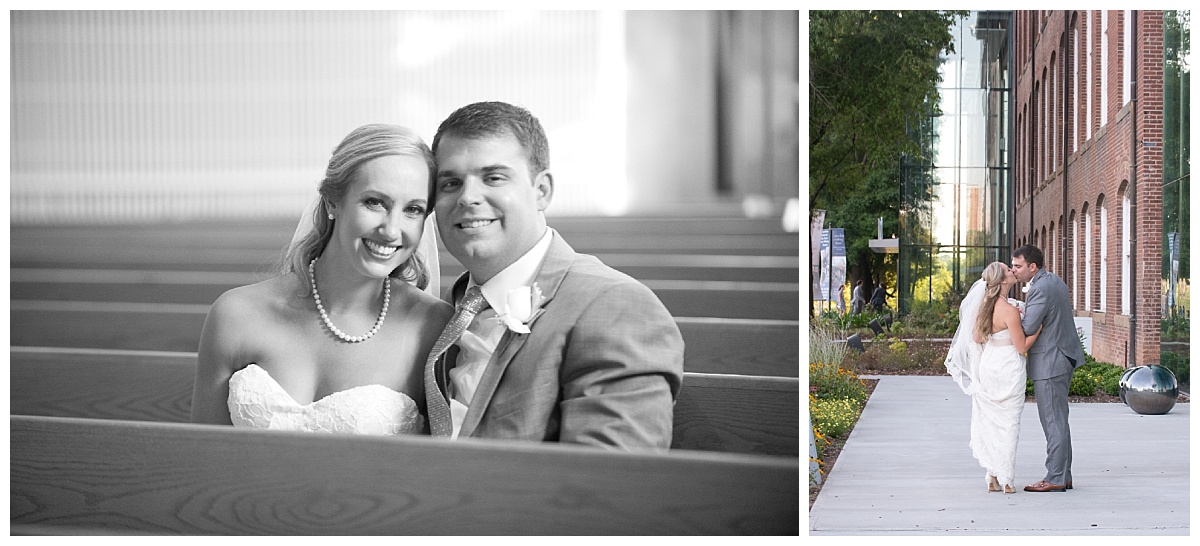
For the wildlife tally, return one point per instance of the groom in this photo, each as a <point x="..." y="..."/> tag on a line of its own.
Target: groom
<point x="565" y="348"/>
<point x="1052" y="359"/>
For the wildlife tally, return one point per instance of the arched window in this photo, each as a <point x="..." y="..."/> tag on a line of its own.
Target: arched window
<point x="1126" y="254"/>
<point x="1050" y="262"/>
<point x="1104" y="68"/>
<point x="1052" y="116"/>
<point x="1127" y="46"/>
<point x="1045" y="126"/>
<point x="1088" y="87"/>
<point x="1076" y="76"/>
<point x="1035" y="140"/>
<point x="1088" y="235"/>
<point x="1075" y="261"/>
<point x="1103" y="249"/>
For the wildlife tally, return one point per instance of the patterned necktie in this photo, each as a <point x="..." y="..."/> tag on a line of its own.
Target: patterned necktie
<point x="440" y="422"/>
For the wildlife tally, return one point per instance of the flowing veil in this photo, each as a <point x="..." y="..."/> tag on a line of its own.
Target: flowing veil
<point x="427" y="249"/>
<point x="963" y="358"/>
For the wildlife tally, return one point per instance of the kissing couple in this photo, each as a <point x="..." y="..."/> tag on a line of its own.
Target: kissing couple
<point x="1000" y="343"/>
<point x="533" y="342"/>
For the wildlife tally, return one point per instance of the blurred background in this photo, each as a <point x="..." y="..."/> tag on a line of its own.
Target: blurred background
<point x="168" y="116"/>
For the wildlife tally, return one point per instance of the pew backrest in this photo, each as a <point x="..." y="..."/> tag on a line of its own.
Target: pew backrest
<point x="711" y="345"/>
<point x="169" y="478"/>
<point x="714" y="412"/>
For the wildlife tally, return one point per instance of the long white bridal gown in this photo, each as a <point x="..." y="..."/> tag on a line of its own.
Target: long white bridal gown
<point x="996" y="408"/>
<point x="256" y="400"/>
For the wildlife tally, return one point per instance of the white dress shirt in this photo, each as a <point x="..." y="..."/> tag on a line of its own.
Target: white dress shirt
<point x="479" y="340"/>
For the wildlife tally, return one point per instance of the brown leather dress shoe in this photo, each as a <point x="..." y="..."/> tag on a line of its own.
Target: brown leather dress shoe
<point x="1069" y="486"/>
<point x="1044" y="487"/>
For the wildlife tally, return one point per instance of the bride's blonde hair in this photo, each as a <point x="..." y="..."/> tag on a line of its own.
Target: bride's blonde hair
<point x="993" y="278"/>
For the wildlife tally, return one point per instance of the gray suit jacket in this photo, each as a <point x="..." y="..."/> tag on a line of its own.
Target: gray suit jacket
<point x="1057" y="350"/>
<point x="602" y="364"/>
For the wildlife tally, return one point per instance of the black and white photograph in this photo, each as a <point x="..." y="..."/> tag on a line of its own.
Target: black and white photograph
<point x="405" y="272"/>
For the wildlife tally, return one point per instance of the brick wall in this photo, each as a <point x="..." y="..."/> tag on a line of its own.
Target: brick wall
<point x="1096" y="172"/>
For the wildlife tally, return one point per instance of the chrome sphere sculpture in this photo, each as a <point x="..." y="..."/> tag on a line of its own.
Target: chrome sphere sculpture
<point x="1148" y="390"/>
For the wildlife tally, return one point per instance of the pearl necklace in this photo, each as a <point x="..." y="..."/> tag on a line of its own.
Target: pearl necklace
<point x="387" y="298"/>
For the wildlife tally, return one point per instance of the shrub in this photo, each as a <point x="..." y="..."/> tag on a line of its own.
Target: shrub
<point x="878" y="357"/>
<point x="848" y="323"/>
<point x="1111" y="383"/>
<point x="830" y="381"/>
<point x="1178" y="364"/>
<point x="1107" y="377"/>
<point x="934" y="319"/>
<point x="1082" y="384"/>
<point x="833" y="417"/>
<point x="893" y="356"/>
<point x="1175" y="327"/>
<point x="1089" y="377"/>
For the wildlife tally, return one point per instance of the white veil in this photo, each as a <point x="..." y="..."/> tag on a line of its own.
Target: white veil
<point x="427" y="249"/>
<point x="962" y="360"/>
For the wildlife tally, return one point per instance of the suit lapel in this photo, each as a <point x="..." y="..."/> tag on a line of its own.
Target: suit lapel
<point x="550" y="276"/>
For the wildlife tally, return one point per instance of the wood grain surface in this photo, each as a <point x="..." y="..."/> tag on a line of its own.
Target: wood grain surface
<point x="168" y="478"/>
<point x="747" y="347"/>
<point x="724" y="413"/>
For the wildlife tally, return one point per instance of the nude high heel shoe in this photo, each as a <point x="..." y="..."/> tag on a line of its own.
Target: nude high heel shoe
<point x="993" y="484"/>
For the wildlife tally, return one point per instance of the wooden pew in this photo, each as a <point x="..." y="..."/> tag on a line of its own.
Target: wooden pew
<point x="707" y="235"/>
<point x="726" y="413"/>
<point x="730" y="346"/>
<point x="85" y="476"/>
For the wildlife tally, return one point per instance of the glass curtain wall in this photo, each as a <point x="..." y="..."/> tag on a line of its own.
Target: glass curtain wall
<point x="955" y="209"/>
<point x="1176" y="274"/>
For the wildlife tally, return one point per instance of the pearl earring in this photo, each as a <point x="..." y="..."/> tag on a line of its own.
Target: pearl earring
<point x="331" y="216"/>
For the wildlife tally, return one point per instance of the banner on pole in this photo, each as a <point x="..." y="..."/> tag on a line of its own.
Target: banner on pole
<point x="838" y="246"/>
<point x="826" y="267"/>
<point x="818" y="220"/>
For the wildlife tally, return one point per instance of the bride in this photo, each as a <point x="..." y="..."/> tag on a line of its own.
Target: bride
<point x="337" y="342"/>
<point x="987" y="361"/>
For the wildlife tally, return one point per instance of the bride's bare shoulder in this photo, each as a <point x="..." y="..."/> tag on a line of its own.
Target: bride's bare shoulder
<point x="261" y="297"/>
<point x="1007" y="310"/>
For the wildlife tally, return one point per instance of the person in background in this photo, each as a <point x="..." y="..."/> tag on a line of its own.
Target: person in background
<point x="879" y="297"/>
<point x="858" y="301"/>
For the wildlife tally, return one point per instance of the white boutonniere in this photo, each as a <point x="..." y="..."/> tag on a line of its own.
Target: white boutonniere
<point x="519" y="306"/>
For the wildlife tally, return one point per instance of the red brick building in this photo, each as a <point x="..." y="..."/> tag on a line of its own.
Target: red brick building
<point x="1087" y="166"/>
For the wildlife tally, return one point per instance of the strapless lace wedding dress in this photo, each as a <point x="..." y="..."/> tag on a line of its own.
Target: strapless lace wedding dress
<point x="257" y="401"/>
<point x="996" y="408"/>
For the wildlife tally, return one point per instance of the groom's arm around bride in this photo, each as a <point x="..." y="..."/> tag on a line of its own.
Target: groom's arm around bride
<point x="583" y="353"/>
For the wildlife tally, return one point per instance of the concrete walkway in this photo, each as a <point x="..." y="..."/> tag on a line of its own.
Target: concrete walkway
<point x="907" y="470"/>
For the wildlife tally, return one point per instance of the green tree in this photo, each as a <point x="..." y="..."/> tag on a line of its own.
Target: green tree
<point x="869" y="72"/>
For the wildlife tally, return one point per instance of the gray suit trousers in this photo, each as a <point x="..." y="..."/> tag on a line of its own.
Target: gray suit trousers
<point x="1052" y="407"/>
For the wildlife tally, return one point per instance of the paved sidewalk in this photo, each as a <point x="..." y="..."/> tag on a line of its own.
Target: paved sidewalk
<point x="907" y="470"/>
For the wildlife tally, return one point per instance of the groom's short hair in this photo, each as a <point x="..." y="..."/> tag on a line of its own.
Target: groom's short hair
<point x="1031" y="254"/>
<point x="492" y="119"/>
